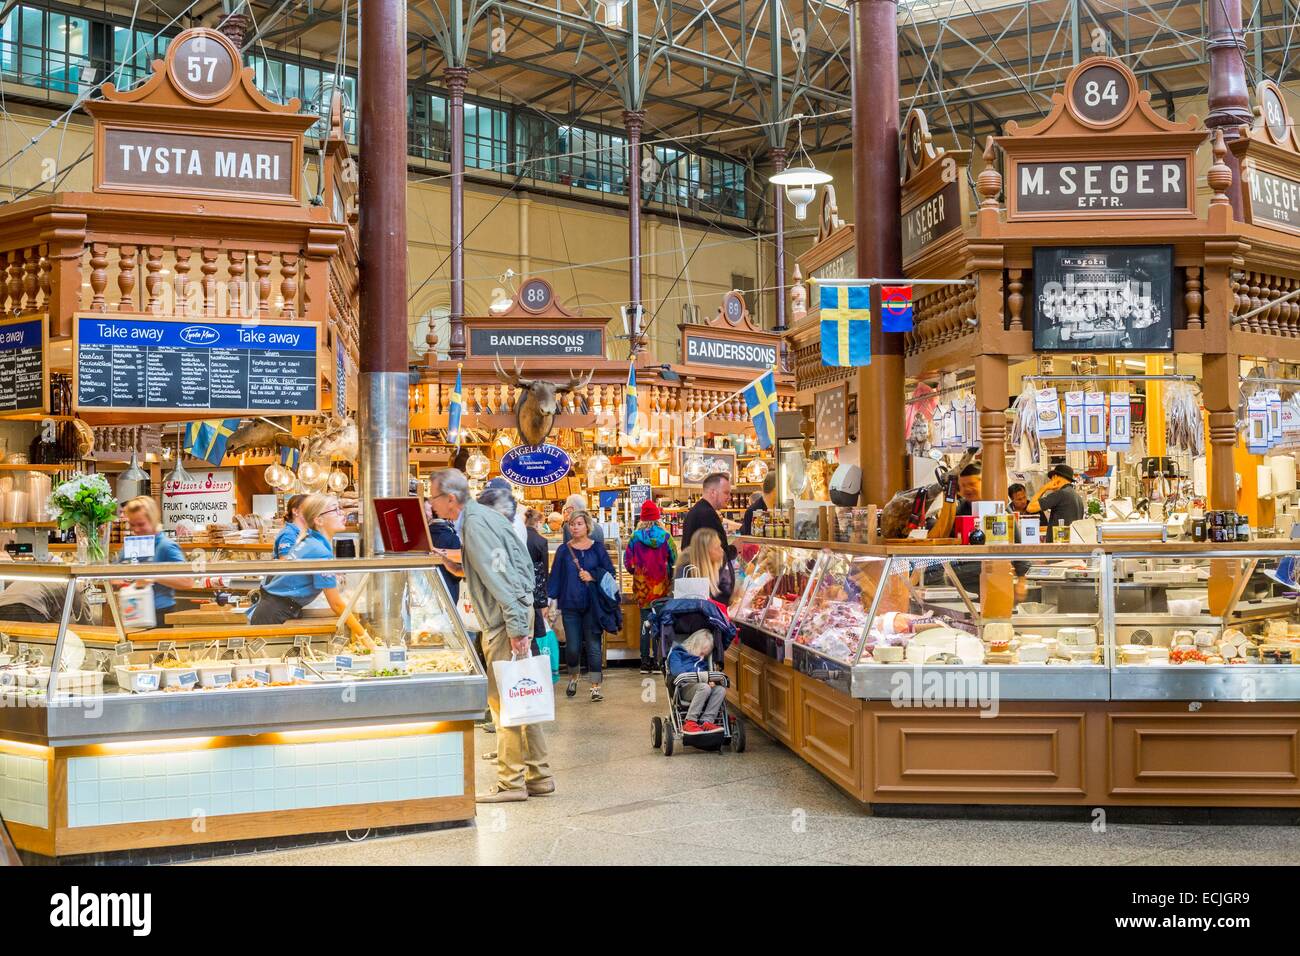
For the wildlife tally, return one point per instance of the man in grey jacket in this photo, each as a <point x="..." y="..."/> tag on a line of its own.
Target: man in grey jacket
<point x="499" y="575"/>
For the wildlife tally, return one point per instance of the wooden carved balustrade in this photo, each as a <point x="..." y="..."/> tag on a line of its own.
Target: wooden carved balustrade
<point x="1251" y="290"/>
<point x="941" y="317"/>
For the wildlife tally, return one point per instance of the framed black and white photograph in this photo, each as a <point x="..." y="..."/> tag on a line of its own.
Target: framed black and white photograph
<point x="1103" y="299"/>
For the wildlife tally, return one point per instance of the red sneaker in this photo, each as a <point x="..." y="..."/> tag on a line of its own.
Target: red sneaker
<point x="691" y="727"/>
<point x="710" y="727"/>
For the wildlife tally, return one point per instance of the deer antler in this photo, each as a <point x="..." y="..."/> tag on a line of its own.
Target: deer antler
<point x="516" y="380"/>
<point x="577" y="381"/>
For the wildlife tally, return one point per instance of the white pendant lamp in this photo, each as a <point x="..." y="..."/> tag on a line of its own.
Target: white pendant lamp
<point x="801" y="179"/>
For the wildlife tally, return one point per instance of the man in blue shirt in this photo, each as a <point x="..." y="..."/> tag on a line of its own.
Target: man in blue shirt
<point x="293" y="527"/>
<point x="143" y="519"/>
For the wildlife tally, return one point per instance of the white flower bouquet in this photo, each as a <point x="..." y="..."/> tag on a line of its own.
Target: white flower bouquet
<point x="84" y="502"/>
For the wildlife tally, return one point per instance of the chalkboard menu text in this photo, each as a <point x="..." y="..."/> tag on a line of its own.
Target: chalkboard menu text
<point x="141" y="363"/>
<point x="22" y="365"/>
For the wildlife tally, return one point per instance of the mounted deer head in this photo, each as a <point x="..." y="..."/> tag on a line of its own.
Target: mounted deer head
<point x="537" y="408"/>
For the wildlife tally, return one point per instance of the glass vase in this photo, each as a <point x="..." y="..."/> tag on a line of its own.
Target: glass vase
<point x="92" y="543"/>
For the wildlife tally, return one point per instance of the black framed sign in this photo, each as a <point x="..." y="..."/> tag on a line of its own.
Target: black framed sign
<point x="1103" y="299"/>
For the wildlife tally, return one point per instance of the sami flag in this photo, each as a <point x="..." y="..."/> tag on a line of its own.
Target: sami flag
<point x="896" y="308"/>
<point x="760" y="399"/>
<point x="846" y="325"/>
<point x="629" y="401"/>
<point x="207" y="439"/>
<point x="455" y="411"/>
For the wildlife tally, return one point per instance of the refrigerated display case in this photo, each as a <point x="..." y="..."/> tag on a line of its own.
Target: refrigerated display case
<point x="114" y="736"/>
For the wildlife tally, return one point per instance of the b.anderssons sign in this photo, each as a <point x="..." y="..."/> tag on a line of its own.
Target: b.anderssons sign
<point x="536" y="342"/>
<point x="706" y="350"/>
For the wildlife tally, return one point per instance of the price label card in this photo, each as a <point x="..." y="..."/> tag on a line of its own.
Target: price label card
<point x="146" y="682"/>
<point x="338" y="640"/>
<point x="166" y="647"/>
<point x="397" y="656"/>
<point x="189" y="679"/>
<point x="256" y="645"/>
<point x="23" y="650"/>
<point x="301" y="640"/>
<point x="235" y="643"/>
<point x="262" y="676"/>
<point x="299" y="674"/>
<point x="343" y="662"/>
<point x="220" y="680"/>
<point x="124" y="648"/>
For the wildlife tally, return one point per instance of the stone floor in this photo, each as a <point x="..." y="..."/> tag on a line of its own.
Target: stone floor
<point x="619" y="802"/>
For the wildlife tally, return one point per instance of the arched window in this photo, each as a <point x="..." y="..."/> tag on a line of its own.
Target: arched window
<point x="440" y="318"/>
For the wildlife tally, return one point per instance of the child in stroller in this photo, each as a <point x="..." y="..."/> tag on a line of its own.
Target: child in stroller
<point x="705" y="700"/>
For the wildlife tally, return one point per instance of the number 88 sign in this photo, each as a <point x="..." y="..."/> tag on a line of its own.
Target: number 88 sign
<point x="535" y="295"/>
<point x="1101" y="94"/>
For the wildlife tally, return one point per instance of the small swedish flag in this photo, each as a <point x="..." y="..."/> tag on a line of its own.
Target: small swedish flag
<point x="454" y="412"/>
<point x="846" y="324"/>
<point x="207" y="439"/>
<point x="760" y="399"/>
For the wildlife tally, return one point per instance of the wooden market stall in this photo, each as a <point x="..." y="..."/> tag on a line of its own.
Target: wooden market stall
<point x="1097" y="180"/>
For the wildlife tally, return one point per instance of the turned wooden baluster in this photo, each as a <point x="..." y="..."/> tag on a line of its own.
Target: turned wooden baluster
<point x="14" y="282"/>
<point x="44" y="280"/>
<point x="242" y="305"/>
<point x="208" y="269"/>
<point x="181" y="283"/>
<point x="1192" y="298"/>
<point x="289" y="284"/>
<point x="1253" y="322"/>
<point x="1274" y="293"/>
<point x="126" y="278"/>
<point x="262" y="266"/>
<point x="153" y="278"/>
<point x="98" y="276"/>
<point x="31" y="284"/>
<point x="1290" y="310"/>
<point x="1015" y="301"/>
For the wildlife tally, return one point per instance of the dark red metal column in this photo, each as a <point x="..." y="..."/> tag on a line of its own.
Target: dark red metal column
<point x="1229" y="101"/>
<point x="778" y="227"/>
<point x="384" y="376"/>
<point x="457" y="77"/>
<point x="633" y="120"/>
<point x="876" y="222"/>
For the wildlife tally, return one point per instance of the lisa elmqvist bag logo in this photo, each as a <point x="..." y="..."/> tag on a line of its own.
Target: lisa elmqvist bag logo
<point x="527" y="694"/>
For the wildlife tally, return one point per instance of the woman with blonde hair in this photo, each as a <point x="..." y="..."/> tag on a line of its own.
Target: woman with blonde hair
<point x="705" y="557"/>
<point x="285" y="595"/>
<point x="143" y="520"/>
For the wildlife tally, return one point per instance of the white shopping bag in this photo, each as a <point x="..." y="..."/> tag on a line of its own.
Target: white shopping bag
<point x="691" y="588"/>
<point x="527" y="695"/>
<point x="136" y="605"/>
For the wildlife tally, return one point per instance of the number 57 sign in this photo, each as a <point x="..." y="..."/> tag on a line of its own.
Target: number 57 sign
<point x="202" y="65"/>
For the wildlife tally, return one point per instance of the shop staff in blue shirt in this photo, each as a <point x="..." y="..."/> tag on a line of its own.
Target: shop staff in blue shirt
<point x="142" y="518"/>
<point x="293" y="527"/>
<point x="285" y="595"/>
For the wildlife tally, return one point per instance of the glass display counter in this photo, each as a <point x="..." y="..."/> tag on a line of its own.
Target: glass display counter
<point x="368" y="699"/>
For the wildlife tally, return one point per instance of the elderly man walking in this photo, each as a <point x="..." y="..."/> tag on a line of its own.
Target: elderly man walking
<point x="499" y="575"/>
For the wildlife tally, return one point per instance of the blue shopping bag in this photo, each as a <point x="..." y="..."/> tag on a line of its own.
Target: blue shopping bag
<point x="549" y="644"/>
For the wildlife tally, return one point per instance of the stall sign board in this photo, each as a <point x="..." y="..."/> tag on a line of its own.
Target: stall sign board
<point x="208" y="498"/>
<point x="639" y="494"/>
<point x="1103" y="299"/>
<point x="1274" y="200"/>
<point x="142" y="363"/>
<point x="830" y="417"/>
<point x="24" y="374"/>
<point x="537" y="342"/>
<point x="931" y="219"/>
<point x="144" y="159"/>
<point x="844" y="267"/>
<point x="1122" y="185"/>
<point x="534" y="465"/>
<point x="729" y="353"/>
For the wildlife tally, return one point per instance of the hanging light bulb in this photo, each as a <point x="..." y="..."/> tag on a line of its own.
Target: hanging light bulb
<point x="477" y="465"/>
<point x="313" y="474"/>
<point x="695" y="469"/>
<point x="338" y="482"/>
<point x="598" y="465"/>
<point x="800" y="179"/>
<point x="132" y="482"/>
<point x="756" y="470"/>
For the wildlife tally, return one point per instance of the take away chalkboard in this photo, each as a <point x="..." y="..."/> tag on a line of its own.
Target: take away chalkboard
<point x="140" y="363"/>
<point x="24" y="373"/>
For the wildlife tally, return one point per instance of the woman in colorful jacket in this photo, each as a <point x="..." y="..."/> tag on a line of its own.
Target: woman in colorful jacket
<point x="649" y="558"/>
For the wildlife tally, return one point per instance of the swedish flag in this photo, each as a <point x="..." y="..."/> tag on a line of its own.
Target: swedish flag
<point x="455" y="411"/>
<point x="760" y="399"/>
<point x="207" y="439"/>
<point x="629" y="402"/>
<point x="846" y="324"/>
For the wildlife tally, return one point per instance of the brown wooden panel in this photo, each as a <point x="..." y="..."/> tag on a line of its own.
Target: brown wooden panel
<point x="751" y="667"/>
<point x="921" y="752"/>
<point x="831" y="734"/>
<point x="731" y="667"/>
<point x="1191" y="755"/>
<point x="778" y="691"/>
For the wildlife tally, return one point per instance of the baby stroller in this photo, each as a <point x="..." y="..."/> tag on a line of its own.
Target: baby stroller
<point x="674" y="620"/>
